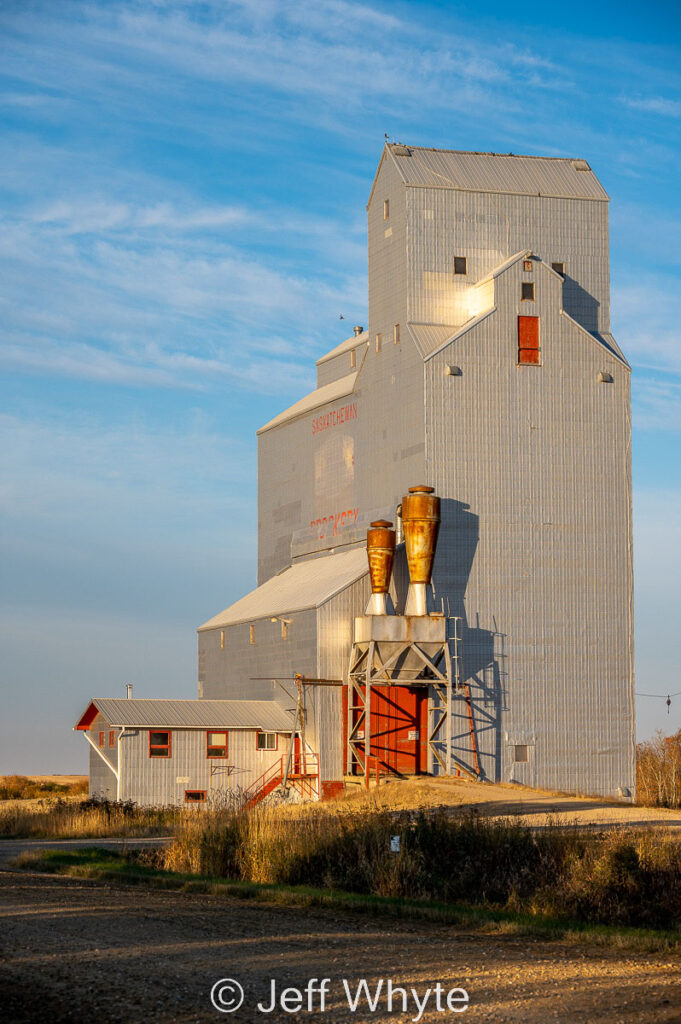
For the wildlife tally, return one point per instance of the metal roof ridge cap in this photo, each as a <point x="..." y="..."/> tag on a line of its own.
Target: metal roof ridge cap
<point x="461" y="331"/>
<point x="620" y="359"/>
<point x="505" y="265"/>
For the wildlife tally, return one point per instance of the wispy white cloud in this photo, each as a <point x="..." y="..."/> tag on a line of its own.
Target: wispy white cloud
<point x="654" y="105"/>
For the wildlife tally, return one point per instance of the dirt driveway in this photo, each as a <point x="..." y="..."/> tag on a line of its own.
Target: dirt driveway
<point x="74" y="951"/>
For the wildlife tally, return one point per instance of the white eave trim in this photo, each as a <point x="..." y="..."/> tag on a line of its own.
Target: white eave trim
<point x="596" y="341"/>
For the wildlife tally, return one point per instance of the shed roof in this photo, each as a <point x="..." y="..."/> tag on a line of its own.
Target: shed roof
<point x="559" y="177"/>
<point x="303" y="585"/>
<point x="187" y="714"/>
<point x="327" y="393"/>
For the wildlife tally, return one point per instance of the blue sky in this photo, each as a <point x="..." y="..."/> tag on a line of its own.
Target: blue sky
<point x="183" y="193"/>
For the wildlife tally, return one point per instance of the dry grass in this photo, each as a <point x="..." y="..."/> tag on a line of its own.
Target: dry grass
<point x="73" y="819"/>
<point x="32" y="787"/>
<point x="624" y="877"/>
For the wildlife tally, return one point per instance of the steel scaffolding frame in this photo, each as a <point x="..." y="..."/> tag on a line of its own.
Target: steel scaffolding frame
<point x="382" y="663"/>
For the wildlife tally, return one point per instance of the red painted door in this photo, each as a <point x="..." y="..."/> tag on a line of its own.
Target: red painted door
<point x="398" y="723"/>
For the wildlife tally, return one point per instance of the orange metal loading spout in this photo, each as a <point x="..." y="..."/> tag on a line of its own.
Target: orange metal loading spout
<point x="381" y="554"/>
<point x="421" y="522"/>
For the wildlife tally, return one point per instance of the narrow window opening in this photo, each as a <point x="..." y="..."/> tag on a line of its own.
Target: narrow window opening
<point x="284" y="629"/>
<point x="353" y="359"/>
<point x="521" y="754"/>
<point x="112" y="739"/>
<point x="386" y="209"/>
<point x="159" y="744"/>
<point x="251" y="634"/>
<point x="216" y="744"/>
<point x="527" y="291"/>
<point x="102" y="739"/>
<point x="266" y="740"/>
<point x="460" y="264"/>
<point x="396" y="334"/>
<point x="222" y="639"/>
<point x="194" y="796"/>
<point x="559" y="268"/>
<point x="379" y="342"/>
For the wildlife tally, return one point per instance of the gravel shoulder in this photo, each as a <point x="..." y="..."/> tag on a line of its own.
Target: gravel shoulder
<point x="73" y="951"/>
<point x="502" y="799"/>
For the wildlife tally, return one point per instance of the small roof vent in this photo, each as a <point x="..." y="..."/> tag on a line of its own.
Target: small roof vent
<point x="401" y="151"/>
<point x="357" y="330"/>
<point x="580" y="165"/>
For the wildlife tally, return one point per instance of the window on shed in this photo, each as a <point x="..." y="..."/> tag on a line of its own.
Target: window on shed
<point x="216" y="744"/>
<point x="379" y="342"/>
<point x="266" y="741"/>
<point x="527" y="264"/>
<point x="460" y="264"/>
<point x="159" y="744"/>
<point x="521" y="753"/>
<point x="559" y="268"/>
<point x="102" y="739"/>
<point x="194" y="796"/>
<point x="222" y="639"/>
<point x="386" y="209"/>
<point x="396" y="334"/>
<point x="527" y="291"/>
<point x="112" y="739"/>
<point x="528" y="340"/>
<point x="251" y="634"/>
<point x="353" y="359"/>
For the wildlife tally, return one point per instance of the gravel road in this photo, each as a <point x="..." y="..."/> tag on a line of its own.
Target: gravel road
<point x="9" y="848"/>
<point x="76" y="951"/>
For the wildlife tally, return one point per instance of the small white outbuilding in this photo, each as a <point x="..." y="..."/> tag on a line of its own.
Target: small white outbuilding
<point x="161" y="752"/>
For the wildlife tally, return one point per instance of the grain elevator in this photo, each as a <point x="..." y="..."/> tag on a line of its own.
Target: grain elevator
<point x="488" y="391"/>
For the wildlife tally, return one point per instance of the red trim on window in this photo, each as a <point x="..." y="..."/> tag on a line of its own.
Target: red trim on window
<point x="216" y="746"/>
<point x="112" y="739"/>
<point x="198" y="797"/>
<point x="160" y="746"/>
<point x="102" y="739"/>
<point x="264" y="732"/>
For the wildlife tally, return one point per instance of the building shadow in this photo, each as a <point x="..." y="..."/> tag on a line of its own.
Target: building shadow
<point x="478" y="654"/>
<point x="580" y="304"/>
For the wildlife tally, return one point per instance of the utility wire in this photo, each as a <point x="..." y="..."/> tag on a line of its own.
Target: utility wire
<point x="661" y="696"/>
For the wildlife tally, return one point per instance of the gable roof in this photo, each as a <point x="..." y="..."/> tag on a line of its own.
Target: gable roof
<point x="320" y="396"/>
<point x="303" y="585"/>
<point x="188" y="714"/>
<point x="557" y="177"/>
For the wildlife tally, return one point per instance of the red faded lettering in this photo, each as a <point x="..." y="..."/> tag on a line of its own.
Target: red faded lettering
<point x="333" y="523"/>
<point x="335" y="418"/>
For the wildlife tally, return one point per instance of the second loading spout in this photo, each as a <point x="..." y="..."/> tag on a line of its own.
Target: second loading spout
<point x="421" y="522"/>
<point x="381" y="554"/>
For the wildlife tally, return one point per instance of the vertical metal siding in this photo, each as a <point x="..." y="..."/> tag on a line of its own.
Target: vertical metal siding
<point x="533" y="464"/>
<point x="152" y="781"/>
<point x="335" y="624"/>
